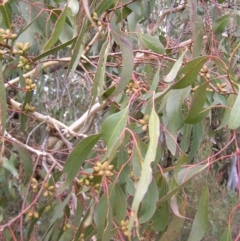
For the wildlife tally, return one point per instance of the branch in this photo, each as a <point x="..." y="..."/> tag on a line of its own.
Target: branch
<point x="164" y="14"/>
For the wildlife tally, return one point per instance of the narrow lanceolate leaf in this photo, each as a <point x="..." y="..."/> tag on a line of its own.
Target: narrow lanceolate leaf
<point x="104" y="5"/>
<point x="175" y="226"/>
<point x="58" y="213"/>
<point x="234" y="121"/>
<point x="27" y="163"/>
<point x="174" y="71"/>
<point x="227" y="113"/>
<point x="98" y="81"/>
<point x="9" y="166"/>
<point x="79" y="46"/>
<point x="226" y="235"/>
<point x="3" y="103"/>
<point x="146" y="173"/>
<point x="56" y="30"/>
<point x="200" y="222"/>
<point x="100" y="215"/>
<point x="174" y="116"/>
<point x="220" y="24"/>
<point x="152" y="43"/>
<point x="197" y="103"/>
<point x="196" y="27"/>
<point x="189" y="72"/>
<point x="148" y="206"/>
<point x="6" y="13"/>
<point x="112" y="129"/>
<point x="127" y="62"/>
<point x="76" y="159"/>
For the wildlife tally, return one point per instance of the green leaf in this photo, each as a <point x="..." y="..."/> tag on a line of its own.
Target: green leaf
<point x="200" y="222"/>
<point x="118" y="203"/>
<point x="76" y="159"/>
<point x="148" y="206"/>
<point x="197" y="134"/>
<point x="226" y="235"/>
<point x="227" y="113"/>
<point x="127" y="61"/>
<point x="98" y="81"/>
<point x="56" y="30"/>
<point x="6" y="13"/>
<point x="54" y="50"/>
<point x="10" y="167"/>
<point x="152" y="43"/>
<point x="184" y="176"/>
<point x="189" y="72"/>
<point x="3" y="103"/>
<point x="234" y="120"/>
<point x="161" y="217"/>
<point x="196" y="107"/>
<point x="174" y="116"/>
<point x="57" y="214"/>
<point x="196" y="27"/>
<point x="100" y="215"/>
<point x="146" y="174"/>
<point x="174" y="71"/>
<point x="79" y="46"/>
<point x="220" y="24"/>
<point x="27" y="163"/>
<point x="104" y="5"/>
<point x="175" y="226"/>
<point x="112" y="129"/>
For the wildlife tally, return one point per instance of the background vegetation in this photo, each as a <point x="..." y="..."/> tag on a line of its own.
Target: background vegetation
<point x="119" y="119"/>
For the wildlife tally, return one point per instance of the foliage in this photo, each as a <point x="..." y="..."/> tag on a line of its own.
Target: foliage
<point x="109" y="111"/>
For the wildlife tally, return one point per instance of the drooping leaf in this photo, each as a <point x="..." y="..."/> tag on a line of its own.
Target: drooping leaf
<point x="197" y="134"/>
<point x="234" y="120"/>
<point x="104" y="5"/>
<point x="146" y="173"/>
<point x="6" y="13"/>
<point x="112" y="129"/>
<point x="56" y="30"/>
<point x="127" y="61"/>
<point x="27" y="163"/>
<point x="148" y="206"/>
<point x="196" y="107"/>
<point x="3" y="103"/>
<point x="200" y="222"/>
<point x="184" y="176"/>
<point x="118" y="203"/>
<point x="196" y="27"/>
<point x="174" y="117"/>
<point x="220" y="24"/>
<point x="100" y="215"/>
<point x="226" y="235"/>
<point x="57" y="214"/>
<point x="76" y="159"/>
<point x="10" y="167"/>
<point x="189" y="72"/>
<point x="175" y="226"/>
<point x="152" y="43"/>
<point x="174" y="71"/>
<point x="78" y="47"/>
<point x="98" y="81"/>
<point x="227" y="112"/>
<point x="54" y="50"/>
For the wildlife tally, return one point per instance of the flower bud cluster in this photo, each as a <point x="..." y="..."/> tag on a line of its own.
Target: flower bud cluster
<point x="103" y="169"/>
<point x="133" y="87"/>
<point x="49" y="190"/>
<point x="124" y="225"/>
<point x="29" y="108"/>
<point x="30" y="86"/>
<point x="144" y="122"/>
